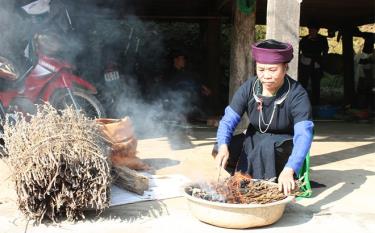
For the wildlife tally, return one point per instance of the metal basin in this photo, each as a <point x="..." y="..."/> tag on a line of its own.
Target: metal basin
<point x="237" y="216"/>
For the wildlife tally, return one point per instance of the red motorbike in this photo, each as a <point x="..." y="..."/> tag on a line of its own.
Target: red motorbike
<point x="51" y="80"/>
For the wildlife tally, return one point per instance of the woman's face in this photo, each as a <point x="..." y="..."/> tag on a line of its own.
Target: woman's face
<point x="271" y="75"/>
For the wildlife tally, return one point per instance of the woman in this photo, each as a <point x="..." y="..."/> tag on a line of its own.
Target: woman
<point x="280" y="131"/>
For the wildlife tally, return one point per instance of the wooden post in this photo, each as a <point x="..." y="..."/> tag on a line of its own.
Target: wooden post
<point x="283" y="25"/>
<point x="347" y="47"/>
<point x="241" y="62"/>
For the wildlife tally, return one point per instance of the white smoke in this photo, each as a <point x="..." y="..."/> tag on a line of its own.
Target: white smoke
<point x="142" y="55"/>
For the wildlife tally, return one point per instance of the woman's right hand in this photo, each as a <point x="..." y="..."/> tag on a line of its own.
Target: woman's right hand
<point x="222" y="156"/>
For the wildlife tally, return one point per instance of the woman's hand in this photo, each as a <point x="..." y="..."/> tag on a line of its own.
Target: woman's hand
<point x="286" y="180"/>
<point x="222" y="156"/>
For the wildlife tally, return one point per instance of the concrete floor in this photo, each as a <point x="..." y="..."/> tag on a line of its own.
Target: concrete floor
<point x="343" y="159"/>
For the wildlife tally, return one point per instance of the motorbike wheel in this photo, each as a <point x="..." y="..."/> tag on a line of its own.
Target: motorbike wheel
<point x="86" y="102"/>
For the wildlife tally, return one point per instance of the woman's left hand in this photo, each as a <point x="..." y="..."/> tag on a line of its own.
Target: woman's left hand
<point x="286" y="180"/>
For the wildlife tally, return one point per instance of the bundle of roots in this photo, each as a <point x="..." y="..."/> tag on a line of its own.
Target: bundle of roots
<point x="241" y="189"/>
<point x="59" y="162"/>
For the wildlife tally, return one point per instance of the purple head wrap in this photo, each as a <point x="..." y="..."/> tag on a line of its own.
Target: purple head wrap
<point x="281" y="53"/>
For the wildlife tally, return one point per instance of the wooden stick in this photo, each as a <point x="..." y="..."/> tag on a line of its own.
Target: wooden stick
<point x="131" y="180"/>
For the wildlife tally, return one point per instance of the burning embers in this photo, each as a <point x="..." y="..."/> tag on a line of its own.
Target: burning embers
<point x="238" y="189"/>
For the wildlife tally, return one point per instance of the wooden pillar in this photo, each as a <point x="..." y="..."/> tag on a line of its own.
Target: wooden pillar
<point x="348" y="54"/>
<point x="213" y="58"/>
<point x="283" y="18"/>
<point x="241" y="62"/>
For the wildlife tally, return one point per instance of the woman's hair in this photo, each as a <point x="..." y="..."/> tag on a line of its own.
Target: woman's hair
<point x="271" y="44"/>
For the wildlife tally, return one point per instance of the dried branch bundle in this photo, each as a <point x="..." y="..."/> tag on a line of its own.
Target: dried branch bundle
<point x="59" y="163"/>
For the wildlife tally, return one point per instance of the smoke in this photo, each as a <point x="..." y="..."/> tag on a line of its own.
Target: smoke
<point x="209" y="191"/>
<point x="143" y="60"/>
<point x="98" y="39"/>
<point x="162" y="114"/>
<point x="18" y="30"/>
<point x="12" y="31"/>
<point x="141" y="93"/>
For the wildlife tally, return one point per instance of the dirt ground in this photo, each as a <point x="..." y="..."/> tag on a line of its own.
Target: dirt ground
<point x="343" y="159"/>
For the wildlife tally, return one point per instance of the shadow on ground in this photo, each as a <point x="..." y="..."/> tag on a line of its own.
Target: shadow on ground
<point x="350" y="180"/>
<point x="340" y="155"/>
<point x="183" y="138"/>
<point x="343" y="132"/>
<point x="297" y="214"/>
<point x="346" y="181"/>
<point x="131" y="212"/>
<point x="159" y="163"/>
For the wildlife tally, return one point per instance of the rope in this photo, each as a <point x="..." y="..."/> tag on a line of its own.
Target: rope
<point x="246" y="6"/>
